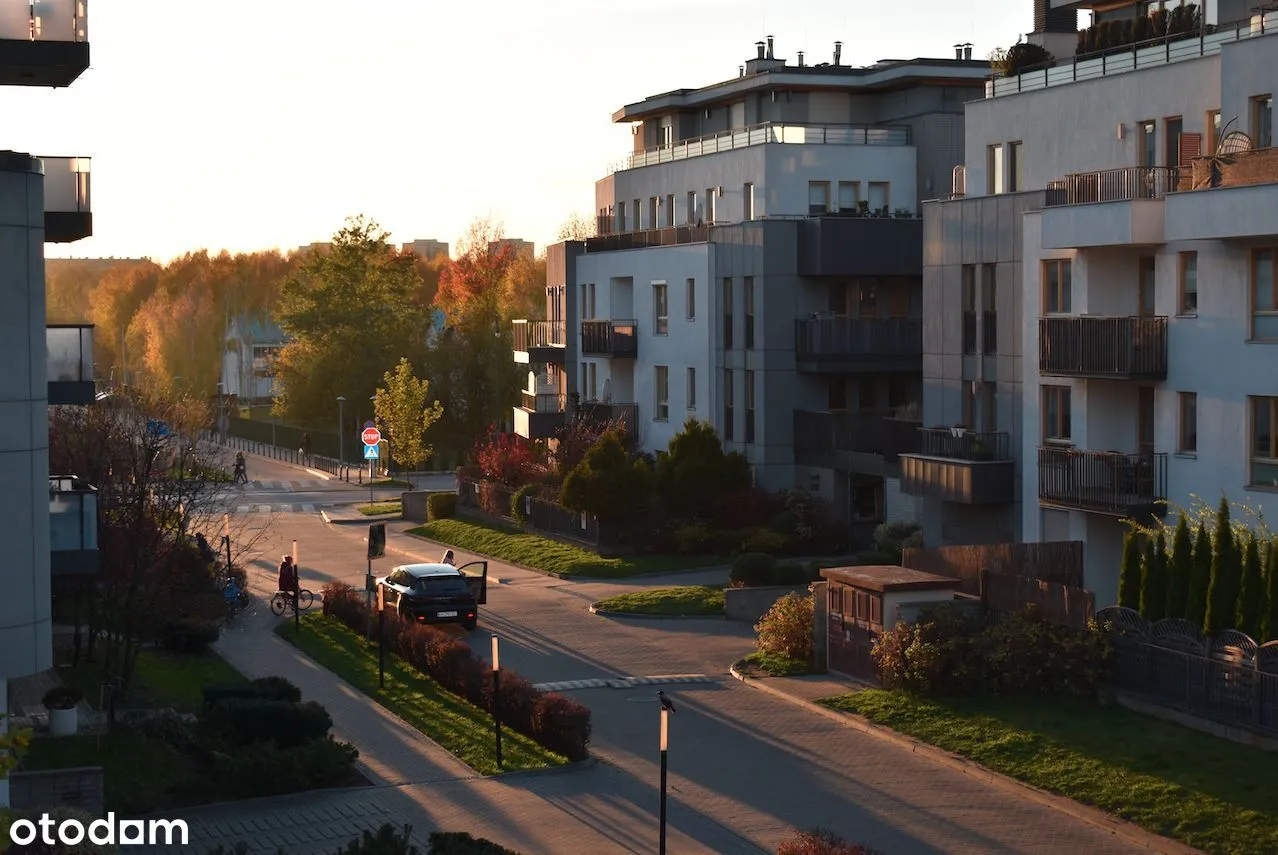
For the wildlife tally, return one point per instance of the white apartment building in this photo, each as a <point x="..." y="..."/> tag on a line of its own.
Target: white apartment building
<point x="758" y="266"/>
<point x="1120" y="212"/>
<point x="42" y="200"/>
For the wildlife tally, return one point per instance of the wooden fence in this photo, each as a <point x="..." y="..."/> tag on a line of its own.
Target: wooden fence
<point x="1060" y="562"/>
<point x="1065" y="605"/>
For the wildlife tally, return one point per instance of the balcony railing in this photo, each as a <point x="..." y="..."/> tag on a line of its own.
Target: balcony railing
<point x="1122" y="348"/>
<point x="844" y="340"/>
<point x="763" y="134"/>
<point x="603" y="412"/>
<point x="45" y="21"/>
<point x="959" y="444"/>
<point x="1104" y="482"/>
<point x="70" y="364"/>
<point x="672" y="236"/>
<point x="824" y="433"/>
<point x="73" y="526"/>
<point x="1113" y="185"/>
<point x="616" y="338"/>
<point x="66" y="184"/>
<point x="542" y="341"/>
<point x="961" y="466"/>
<point x="542" y="402"/>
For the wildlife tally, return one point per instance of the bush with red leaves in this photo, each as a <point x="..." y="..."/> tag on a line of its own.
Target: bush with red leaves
<point x="821" y="841"/>
<point x="506" y="459"/>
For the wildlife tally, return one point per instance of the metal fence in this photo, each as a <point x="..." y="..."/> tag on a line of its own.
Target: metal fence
<point x="289" y="455"/>
<point x="1229" y="679"/>
<point x="496" y="500"/>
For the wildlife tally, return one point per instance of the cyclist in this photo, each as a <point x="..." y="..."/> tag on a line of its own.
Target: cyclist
<point x="288" y="575"/>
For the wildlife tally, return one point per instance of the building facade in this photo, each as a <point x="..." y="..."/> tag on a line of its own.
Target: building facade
<point x="758" y="266"/>
<point x="1098" y="194"/>
<point x="252" y="345"/>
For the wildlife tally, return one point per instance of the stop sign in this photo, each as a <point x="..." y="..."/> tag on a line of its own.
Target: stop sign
<point x="371" y="436"/>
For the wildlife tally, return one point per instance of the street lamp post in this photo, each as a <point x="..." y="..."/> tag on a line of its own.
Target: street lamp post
<point x="497" y="699"/>
<point x="341" y="422"/>
<point x="667" y="708"/>
<point x="372" y="463"/>
<point x="226" y="540"/>
<point x="297" y="590"/>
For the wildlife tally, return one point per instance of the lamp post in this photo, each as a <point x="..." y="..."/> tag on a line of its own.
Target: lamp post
<point x="497" y="699"/>
<point x="297" y="589"/>
<point x="226" y="540"/>
<point x="667" y="708"/>
<point x="341" y="422"/>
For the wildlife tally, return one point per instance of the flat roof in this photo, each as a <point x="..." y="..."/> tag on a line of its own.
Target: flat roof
<point x="886" y="578"/>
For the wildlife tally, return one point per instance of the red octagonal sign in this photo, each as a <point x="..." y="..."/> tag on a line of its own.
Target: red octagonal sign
<point x="371" y="436"/>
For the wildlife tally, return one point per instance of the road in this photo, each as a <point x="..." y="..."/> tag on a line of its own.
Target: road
<point x="750" y="763"/>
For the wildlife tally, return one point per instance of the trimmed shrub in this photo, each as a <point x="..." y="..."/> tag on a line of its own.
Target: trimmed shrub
<point x="262" y="689"/>
<point x="189" y="635"/>
<point x="763" y="540"/>
<point x="939" y="654"/>
<point x="517" y="501"/>
<point x="278" y="688"/>
<point x="821" y="841"/>
<point x="786" y="630"/>
<point x="345" y="603"/>
<point x="265" y="769"/>
<point x="562" y="725"/>
<point x="693" y="539"/>
<point x="248" y="721"/>
<point x="461" y="843"/>
<point x="752" y="568"/>
<point x="441" y="506"/>
<point x="518" y="700"/>
<point x="387" y="841"/>
<point x="753" y="507"/>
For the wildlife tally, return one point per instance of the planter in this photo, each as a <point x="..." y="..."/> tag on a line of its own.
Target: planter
<point x="64" y="722"/>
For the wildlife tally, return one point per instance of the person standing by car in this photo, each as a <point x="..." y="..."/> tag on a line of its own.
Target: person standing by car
<point x="448" y="559"/>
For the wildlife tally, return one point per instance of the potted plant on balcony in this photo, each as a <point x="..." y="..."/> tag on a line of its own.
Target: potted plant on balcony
<point x="863" y="207"/>
<point x="903" y="214"/>
<point x="61" y="702"/>
<point x="979" y="452"/>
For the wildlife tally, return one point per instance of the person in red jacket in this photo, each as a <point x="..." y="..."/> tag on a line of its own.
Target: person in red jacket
<point x="288" y="575"/>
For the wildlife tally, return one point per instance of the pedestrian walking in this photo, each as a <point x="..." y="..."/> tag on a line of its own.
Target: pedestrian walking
<point x="306" y="449"/>
<point x="241" y="470"/>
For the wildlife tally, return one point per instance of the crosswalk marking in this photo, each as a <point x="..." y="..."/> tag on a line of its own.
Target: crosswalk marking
<point x="623" y="682"/>
<point x="302" y="507"/>
<point x="286" y="485"/>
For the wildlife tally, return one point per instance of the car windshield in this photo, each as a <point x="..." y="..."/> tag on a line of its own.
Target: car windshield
<point x="435" y="586"/>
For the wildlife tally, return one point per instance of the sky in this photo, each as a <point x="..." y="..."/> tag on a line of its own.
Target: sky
<point x="229" y="124"/>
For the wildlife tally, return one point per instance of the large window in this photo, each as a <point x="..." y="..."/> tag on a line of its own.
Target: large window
<point x="747" y="198"/>
<point x="1213" y="131"/>
<point x="670" y="210"/>
<point x="691" y="297"/>
<point x="1264" y="295"/>
<point x="818" y="197"/>
<point x="1148" y="151"/>
<point x="692" y="388"/>
<point x="710" y="209"/>
<point x="691" y="215"/>
<point x="1187" y="302"/>
<point x="849" y="195"/>
<point x="969" y="308"/>
<point x="661" y="392"/>
<point x="880" y="196"/>
<point x="1014" y="166"/>
<point x="994" y="169"/>
<point x="588" y="301"/>
<point x="1262" y="121"/>
<point x="989" y="307"/>
<point x="1187" y="432"/>
<point x="749" y="406"/>
<point x="1056" y="415"/>
<point x="727" y="313"/>
<point x="660" y="309"/>
<point x="1172" y="129"/>
<point x="728" y="416"/>
<point x="1057" y="286"/>
<point x="748" y="294"/>
<point x="1264" y="443"/>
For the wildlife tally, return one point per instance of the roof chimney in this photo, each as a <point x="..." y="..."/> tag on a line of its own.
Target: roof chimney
<point x="740" y="71"/>
<point x="838" y="52"/>
<point x="769" y="47"/>
<point x="759" y="46"/>
<point x="958" y="51"/>
<point x="800" y="59"/>
<point x="967" y="51"/>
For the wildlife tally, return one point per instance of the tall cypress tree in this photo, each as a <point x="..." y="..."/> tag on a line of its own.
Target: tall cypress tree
<point x="1269" y="626"/>
<point x="1199" y="579"/>
<point x="1129" y="582"/>
<point x="1222" y="596"/>
<point x="1153" y="589"/>
<point x="1179" y="571"/>
<point x="1251" y="597"/>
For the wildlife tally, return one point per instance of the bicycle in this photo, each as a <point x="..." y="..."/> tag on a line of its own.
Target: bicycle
<point x="283" y="601"/>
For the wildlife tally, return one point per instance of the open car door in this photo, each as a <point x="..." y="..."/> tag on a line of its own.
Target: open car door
<point x="476" y="573"/>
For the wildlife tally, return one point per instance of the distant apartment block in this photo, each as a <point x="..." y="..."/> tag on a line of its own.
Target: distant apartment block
<point x="427" y="248"/>
<point x="517" y="246"/>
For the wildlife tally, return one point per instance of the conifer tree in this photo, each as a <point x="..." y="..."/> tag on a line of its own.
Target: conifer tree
<point x="1179" y="570"/>
<point x="1129" y="582"/>
<point x="1269" y="626"/>
<point x="1226" y="576"/>
<point x="1199" y="579"/>
<point x="1251" y="597"/>
<point x="1153" y="589"/>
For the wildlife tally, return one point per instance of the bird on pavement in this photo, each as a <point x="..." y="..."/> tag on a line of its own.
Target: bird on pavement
<point x="666" y="703"/>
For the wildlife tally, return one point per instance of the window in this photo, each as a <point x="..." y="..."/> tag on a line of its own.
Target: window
<point x="867" y="300"/>
<point x="670" y="211"/>
<point x="969" y="308"/>
<point x="660" y="309"/>
<point x="1056" y="413"/>
<point x="748" y="287"/>
<point x="1145" y="419"/>
<point x="1172" y="129"/>
<point x="638" y="216"/>
<point x="989" y="305"/>
<point x="691" y="297"/>
<point x="836" y="394"/>
<point x="661" y="388"/>
<point x="1014" y="180"/>
<point x="667" y="133"/>
<point x="1148" y="151"/>
<point x="1187" y="436"/>
<point x="692" y="208"/>
<point x="1264" y="298"/>
<point x="1262" y="121"/>
<point x="588" y="301"/>
<point x="994" y="169"/>
<point x="1145" y="286"/>
<point x="1188" y="284"/>
<point x="1056" y="287"/>
<point x="622" y="225"/>
<point x="652" y="213"/>
<point x="589" y="381"/>
<point x="727" y="313"/>
<point x="749" y="406"/>
<point x="879" y="196"/>
<point x="747" y="199"/>
<point x="691" y="395"/>
<point x="818" y="197"/>
<point x="1264" y="443"/>
<point x="1213" y="131"/>
<point x="849" y="195"/>
<point x="710" y="211"/>
<point x="727" y="405"/>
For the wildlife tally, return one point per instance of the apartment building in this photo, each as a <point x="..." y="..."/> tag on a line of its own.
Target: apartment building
<point x="758" y="266"/>
<point x="427" y="248"/>
<point x="42" y="200"/>
<point x="1099" y="294"/>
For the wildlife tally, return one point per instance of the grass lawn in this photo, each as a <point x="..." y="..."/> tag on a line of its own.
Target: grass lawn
<point x="388" y="482"/>
<point x="160" y="679"/>
<point x="774" y="665"/>
<point x="1213" y="794"/>
<point x="511" y="544"/>
<point x="456" y="724"/>
<point x="139" y="772"/>
<point x="380" y="508"/>
<point x="683" y="600"/>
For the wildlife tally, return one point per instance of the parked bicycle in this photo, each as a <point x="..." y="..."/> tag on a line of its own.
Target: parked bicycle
<point x="237" y="599"/>
<point x="283" y="601"/>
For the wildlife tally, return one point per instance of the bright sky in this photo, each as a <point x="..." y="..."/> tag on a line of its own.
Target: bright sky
<point x="249" y="125"/>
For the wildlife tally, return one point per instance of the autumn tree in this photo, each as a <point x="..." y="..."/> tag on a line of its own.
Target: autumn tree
<point x="113" y="305"/>
<point x="1251" y="598"/>
<point x="351" y="314"/>
<point x="577" y="227"/>
<point x="402" y="408"/>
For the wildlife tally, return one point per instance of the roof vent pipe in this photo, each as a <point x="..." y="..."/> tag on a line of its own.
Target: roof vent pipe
<point x="958" y="51"/>
<point x="838" y="52"/>
<point x="740" y="71"/>
<point x="759" y="47"/>
<point x="800" y="59"/>
<point x="967" y="51"/>
<point x="769" y="47"/>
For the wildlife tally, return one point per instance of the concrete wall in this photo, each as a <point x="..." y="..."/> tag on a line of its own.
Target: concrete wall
<point x="25" y="622"/>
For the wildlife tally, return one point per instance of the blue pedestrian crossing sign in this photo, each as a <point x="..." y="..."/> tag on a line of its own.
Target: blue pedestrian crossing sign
<point x="372" y="452"/>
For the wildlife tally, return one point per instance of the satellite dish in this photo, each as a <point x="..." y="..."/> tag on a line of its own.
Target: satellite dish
<point x="1234" y="142"/>
<point x="607" y="390"/>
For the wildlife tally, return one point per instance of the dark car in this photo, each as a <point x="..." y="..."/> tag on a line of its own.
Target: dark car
<point x="437" y="593"/>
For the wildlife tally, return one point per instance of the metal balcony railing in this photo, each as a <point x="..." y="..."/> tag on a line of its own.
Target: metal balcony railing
<point x="1113" y="185"/>
<point x="602" y="412"/>
<point x="1114" y="347"/>
<point x="1107" y="482"/>
<point x="610" y="338"/>
<point x="44" y="20"/>
<point x="542" y="402"/>
<point x="534" y="334"/>
<point x="960" y="444"/>
<point x="835" y="339"/>
<point x="817" y="432"/>
<point x="70" y="352"/>
<point x="672" y="236"/>
<point x="73" y="515"/>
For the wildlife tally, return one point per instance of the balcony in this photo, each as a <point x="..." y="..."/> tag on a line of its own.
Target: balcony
<point x="45" y="43"/>
<point x="837" y="244"/>
<point x="70" y="364"/>
<point x="1240" y="205"/>
<point x="673" y="236"/>
<point x="764" y="134"/>
<point x="1112" y="185"/>
<point x="73" y="526"/>
<point x="839" y="440"/>
<point x="836" y="344"/>
<point x="1133" y="486"/>
<point x="68" y="209"/>
<point x="1099" y="348"/>
<point x="538" y="342"/>
<point x="961" y="466"/>
<point x="614" y="339"/>
<point x="603" y="412"/>
<point x="539" y="415"/>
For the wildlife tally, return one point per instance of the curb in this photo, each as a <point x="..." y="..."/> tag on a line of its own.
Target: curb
<point x="611" y="614"/>
<point x="1094" y="817"/>
<point x="333" y="520"/>
<point x="567" y="768"/>
<point x="318" y="474"/>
